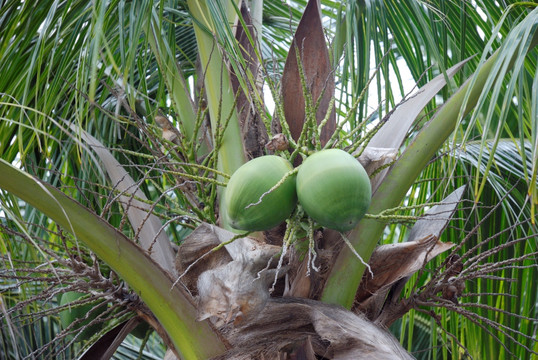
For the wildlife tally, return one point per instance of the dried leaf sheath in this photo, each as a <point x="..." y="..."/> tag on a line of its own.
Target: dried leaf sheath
<point x="234" y="290"/>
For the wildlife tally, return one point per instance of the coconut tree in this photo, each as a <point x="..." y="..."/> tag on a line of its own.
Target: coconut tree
<point x="133" y="202"/>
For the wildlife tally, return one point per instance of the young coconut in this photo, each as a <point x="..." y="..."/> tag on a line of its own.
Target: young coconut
<point x="251" y="203"/>
<point x="334" y="189"/>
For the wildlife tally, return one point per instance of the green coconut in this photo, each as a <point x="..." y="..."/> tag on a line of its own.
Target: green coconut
<point x="334" y="189"/>
<point x="249" y="205"/>
<point x="78" y="312"/>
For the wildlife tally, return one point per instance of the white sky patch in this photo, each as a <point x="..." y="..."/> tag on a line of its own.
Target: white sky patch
<point x="480" y="33"/>
<point x="480" y="12"/>
<point x="268" y="97"/>
<point x="407" y="81"/>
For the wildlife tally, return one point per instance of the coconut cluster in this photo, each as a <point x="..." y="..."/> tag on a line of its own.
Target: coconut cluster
<point x="331" y="185"/>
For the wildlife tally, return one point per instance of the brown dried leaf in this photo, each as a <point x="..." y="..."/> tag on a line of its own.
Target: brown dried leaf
<point x="233" y="292"/>
<point x="195" y="252"/>
<point x="305" y="278"/>
<point x="302" y="283"/>
<point x="394" y="263"/>
<point x="303" y="350"/>
<point x="334" y="333"/>
<point x="231" y="283"/>
<point x="207" y="236"/>
<point x="256" y="252"/>
<point x="310" y="41"/>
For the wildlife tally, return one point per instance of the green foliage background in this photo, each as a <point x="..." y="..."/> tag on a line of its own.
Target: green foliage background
<point x="108" y="67"/>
